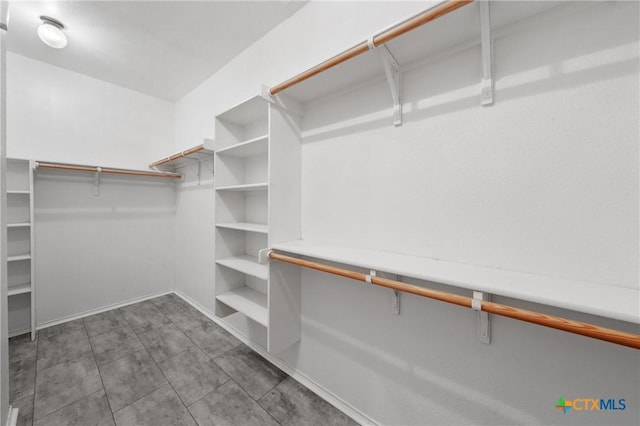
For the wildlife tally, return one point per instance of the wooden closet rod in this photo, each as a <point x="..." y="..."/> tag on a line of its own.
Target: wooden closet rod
<point x="384" y="37"/>
<point x="576" y="327"/>
<point x="111" y="170"/>
<point x="176" y="156"/>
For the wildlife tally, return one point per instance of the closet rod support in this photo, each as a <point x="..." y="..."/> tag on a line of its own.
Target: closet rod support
<point x="96" y="182"/>
<point x="392" y="72"/>
<point x="483" y="323"/>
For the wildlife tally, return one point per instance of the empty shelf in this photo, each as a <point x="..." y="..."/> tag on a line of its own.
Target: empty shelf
<point x="247" y="301"/>
<point x="245" y="187"/>
<point x="249" y="148"/>
<point x="19" y="225"/>
<point x="245" y="226"/>
<point x="19" y="289"/>
<point x="18" y="192"/>
<point x="18" y="257"/>
<point x="247" y="265"/>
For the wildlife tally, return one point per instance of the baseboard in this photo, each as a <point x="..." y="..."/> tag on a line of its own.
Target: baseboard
<point x="19" y="332"/>
<point x="12" y="416"/>
<point x="311" y="384"/>
<point x="68" y="318"/>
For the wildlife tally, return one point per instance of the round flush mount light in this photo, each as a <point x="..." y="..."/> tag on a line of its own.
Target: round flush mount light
<point x="50" y="32"/>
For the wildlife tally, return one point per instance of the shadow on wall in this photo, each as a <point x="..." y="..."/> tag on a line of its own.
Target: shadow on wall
<point x="576" y="47"/>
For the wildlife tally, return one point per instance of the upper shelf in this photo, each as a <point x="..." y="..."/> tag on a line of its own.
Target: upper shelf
<point x="255" y="146"/>
<point x="185" y="157"/>
<point x="619" y="303"/>
<point x="458" y="28"/>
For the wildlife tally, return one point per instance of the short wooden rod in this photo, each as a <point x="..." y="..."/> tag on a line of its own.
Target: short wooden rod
<point x="176" y="156"/>
<point x="110" y="170"/>
<point x="384" y="37"/>
<point x="589" y="330"/>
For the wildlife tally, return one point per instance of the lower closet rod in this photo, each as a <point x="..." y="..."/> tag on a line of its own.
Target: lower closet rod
<point x="576" y="327"/>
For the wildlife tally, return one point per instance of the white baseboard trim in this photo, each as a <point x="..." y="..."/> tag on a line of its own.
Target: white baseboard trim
<point x="68" y="318"/>
<point x="12" y="416"/>
<point x="311" y="384"/>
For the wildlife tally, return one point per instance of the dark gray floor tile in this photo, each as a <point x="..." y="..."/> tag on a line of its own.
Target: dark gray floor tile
<point x="114" y="345"/>
<point x="144" y="316"/>
<point x="22" y="378"/>
<point x="21" y="347"/>
<point x="193" y="374"/>
<point x="165" y="341"/>
<point x="25" y="410"/>
<point x="130" y="378"/>
<point x="291" y="404"/>
<point x="69" y="327"/>
<point x="92" y="410"/>
<point x="65" y="383"/>
<point x="66" y="342"/>
<point x="253" y="373"/>
<point x="169" y="302"/>
<point x="162" y="407"/>
<point x="230" y="405"/>
<point x="104" y="322"/>
<point x="212" y="339"/>
<point x="187" y="318"/>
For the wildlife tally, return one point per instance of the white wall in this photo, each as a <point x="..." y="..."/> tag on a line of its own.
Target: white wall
<point x="58" y="115"/>
<point x="92" y="251"/>
<point x="545" y="181"/>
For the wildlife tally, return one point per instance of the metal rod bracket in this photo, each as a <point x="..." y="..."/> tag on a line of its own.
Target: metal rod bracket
<point x="483" y="322"/>
<point x="367" y="277"/>
<point x="486" y="83"/>
<point x="96" y="182"/>
<point x="392" y="71"/>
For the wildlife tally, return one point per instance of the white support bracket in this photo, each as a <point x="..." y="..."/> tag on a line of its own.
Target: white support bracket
<point x="392" y="71"/>
<point x="483" y="323"/>
<point x="263" y="256"/>
<point x="199" y="170"/>
<point x="284" y="102"/>
<point x="486" y="83"/>
<point x="395" y="302"/>
<point x="96" y="182"/>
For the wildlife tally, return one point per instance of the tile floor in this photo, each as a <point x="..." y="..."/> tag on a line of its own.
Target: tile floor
<point x="157" y="362"/>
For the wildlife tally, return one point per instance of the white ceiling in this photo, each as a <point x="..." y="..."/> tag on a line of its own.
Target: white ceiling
<point x="161" y="48"/>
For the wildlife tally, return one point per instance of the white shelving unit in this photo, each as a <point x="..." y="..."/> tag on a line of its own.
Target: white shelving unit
<point x="257" y="183"/>
<point x="20" y="247"/>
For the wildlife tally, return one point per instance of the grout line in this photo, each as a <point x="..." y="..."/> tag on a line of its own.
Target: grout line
<point x="104" y="389"/>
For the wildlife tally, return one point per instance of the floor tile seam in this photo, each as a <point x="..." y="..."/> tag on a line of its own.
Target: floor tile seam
<point x="64" y="406"/>
<point x="174" y="390"/>
<point x="216" y="389"/>
<point x="108" y="331"/>
<point x="38" y="371"/>
<point x="265" y="409"/>
<point x="133" y="402"/>
<point x="102" y="382"/>
<point x="170" y="356"/>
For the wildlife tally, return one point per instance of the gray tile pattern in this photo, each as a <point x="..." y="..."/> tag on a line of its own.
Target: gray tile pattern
<point x="96" y="371"/>
<point x="253" y="373"/>
<point x="91" y="410"/>
<point x="292" y="404"/>
<point x="114" y="345"/>
<point x="131" y="378"/>
<point x="165" y="341"/>
<point x="193" y="374"/>
<point x="21" y="347"/>
<point x="144" y="316"/>
<point x="162" y="407"/>
<point x="64" y="384"/>
<point x="212" y="339"/>
<point x="104" y="322"/>
<point x="230" y="405"/>
<point x="22" y="376"/>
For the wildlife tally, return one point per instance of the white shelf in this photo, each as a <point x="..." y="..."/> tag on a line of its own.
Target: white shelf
<point x="18" y="257"/>
<point x="243" y="188"/>
<point x="19" y="225"/>
<point x="247" y="301"/>
<point x="619" y="303"/>
<point x="12" y="192"/>
<point x="19" y="289"/>
<point x="245" y="226"/>
<point x="249" y="148"/>
<point x="247" y="265"/>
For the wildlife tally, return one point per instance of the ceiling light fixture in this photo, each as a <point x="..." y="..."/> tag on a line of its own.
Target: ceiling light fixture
<point x="50" y="32"/>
